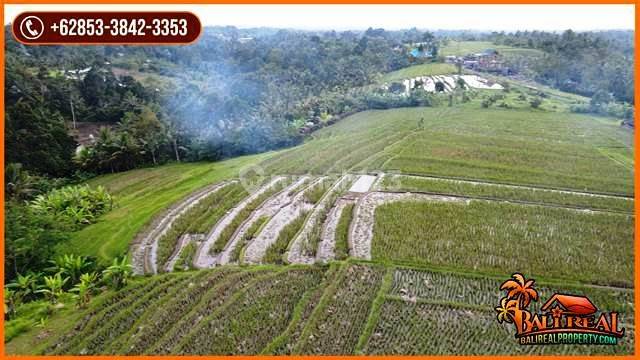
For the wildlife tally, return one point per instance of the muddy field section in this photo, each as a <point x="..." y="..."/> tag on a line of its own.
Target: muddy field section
<point x="315" y="202"/>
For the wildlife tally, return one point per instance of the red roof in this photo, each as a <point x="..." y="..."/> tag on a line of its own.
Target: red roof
<point x="573" y="304"/>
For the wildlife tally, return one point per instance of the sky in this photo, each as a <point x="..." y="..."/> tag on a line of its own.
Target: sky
<point x="390" y="17"/>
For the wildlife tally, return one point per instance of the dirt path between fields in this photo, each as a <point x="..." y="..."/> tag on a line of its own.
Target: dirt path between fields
<point x="269" y="208"/>
<point x="144" y="248"/>
<point x="361" y="230"/>
<point x="525" y="187"/>
<point x="258" y="247"/>
<point x="203" y="259"/>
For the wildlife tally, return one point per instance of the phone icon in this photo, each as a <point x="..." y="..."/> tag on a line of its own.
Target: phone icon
<point x="31" y="27"/>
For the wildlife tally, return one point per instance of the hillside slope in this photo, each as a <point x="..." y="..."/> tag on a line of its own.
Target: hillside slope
<point x="374" y="235"/>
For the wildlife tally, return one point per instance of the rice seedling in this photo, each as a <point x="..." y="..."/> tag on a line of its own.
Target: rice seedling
<point x="300" y="186"/>
<point x="185" y="261"/>
<point x="285" y="343"/>
<point x="122" y="320"/>
<point x="244" y="214"/>
<point x="311" y="234"/>
<point x="502" y="237"/>
<point x="422" y="328"/>
<point x="480" y="291"/>
<point x="251" y="233"/>
<point x="342" y="233"/>
<point x="502" y="192"/>
<point x="164" y="318"/>
<point x="343" y="311"/>
<point x="134" y="318"/>
<point x="343" y="308"/>
<point x="192" y="314"/>
<point x="275" y="252"/>
<point x="315" y="193"/>
<point x="199" y="219"/>
<point x="253" y="317"/>
<point x="94" y="319"/>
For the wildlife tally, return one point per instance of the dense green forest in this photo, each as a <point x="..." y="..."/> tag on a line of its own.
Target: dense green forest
<point x="242" y="91"/>
<point x="584" y="63"/>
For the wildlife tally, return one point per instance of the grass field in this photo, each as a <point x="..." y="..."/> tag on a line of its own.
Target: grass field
<point x="433" y="281"/>
<point x="141" y="194"/>
<point x="460" y="48"/>
<point x="420" y="70"/>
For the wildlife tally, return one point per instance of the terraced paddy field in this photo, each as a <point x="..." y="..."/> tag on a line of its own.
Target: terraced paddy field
<point x="342" y="308"/>
<point x="508" y="146"/>
<point x="378" y="235"/>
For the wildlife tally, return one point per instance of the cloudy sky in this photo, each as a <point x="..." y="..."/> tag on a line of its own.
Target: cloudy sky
<point x="345" y="17"/>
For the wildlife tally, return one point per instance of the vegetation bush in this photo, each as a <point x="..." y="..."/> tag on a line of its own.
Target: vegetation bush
<point x="79" y="205"/>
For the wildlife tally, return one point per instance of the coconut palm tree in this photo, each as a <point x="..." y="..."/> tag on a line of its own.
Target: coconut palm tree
<point x="506" y="310"/>
<point x="521" y="290"/>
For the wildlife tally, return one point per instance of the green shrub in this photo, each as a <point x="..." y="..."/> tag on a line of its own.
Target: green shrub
<point x="78" y="204"/>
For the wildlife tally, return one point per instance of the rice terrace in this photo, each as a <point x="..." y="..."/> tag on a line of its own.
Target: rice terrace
<point x="387" y="229"/>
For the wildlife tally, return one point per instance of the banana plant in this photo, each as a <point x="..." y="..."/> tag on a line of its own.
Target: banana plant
<point x="25" y="286"/>
<point x="11" y="303"/>
<point x="53" y="287"/>
<point x="85" y="289"/>
<point x="118" y="274"/>
<point x="72" y="266"/>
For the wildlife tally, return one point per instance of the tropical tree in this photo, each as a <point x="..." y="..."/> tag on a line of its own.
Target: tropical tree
<point x="10" y="303"/>
<point x="53" y="287"/>
<point x="18" y="184"/>
<point x="25" y="286"/>
<point x="118" y="273"/>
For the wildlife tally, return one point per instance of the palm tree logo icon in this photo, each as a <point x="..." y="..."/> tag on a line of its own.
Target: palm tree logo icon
<point x="520" y="293"/>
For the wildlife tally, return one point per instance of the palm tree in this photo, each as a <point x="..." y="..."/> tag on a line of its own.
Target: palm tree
<point x="18" y="183"/>
<point x="506" y="310"/>
<point x="118" y="273"/>
<point x="520" y="290"/>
